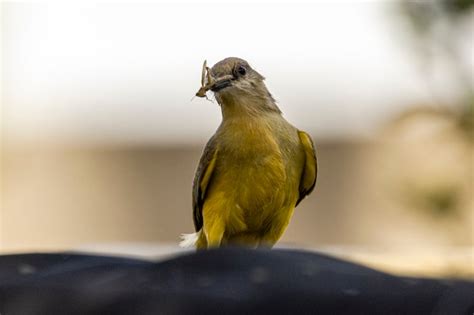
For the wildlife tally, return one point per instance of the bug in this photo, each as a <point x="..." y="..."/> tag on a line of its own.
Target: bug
<point x="205" y="86"/>
<point x="207" y="82"/>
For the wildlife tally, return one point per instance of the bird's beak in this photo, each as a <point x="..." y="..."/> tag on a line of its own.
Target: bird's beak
<point x="221" y="83"/>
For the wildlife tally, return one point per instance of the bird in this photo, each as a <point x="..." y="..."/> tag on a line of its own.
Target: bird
<point x="254" y="170"/>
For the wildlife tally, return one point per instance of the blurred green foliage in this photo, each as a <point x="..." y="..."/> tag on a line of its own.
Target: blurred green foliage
<point x="440" y="32"/>
<point x="440" y="24"/>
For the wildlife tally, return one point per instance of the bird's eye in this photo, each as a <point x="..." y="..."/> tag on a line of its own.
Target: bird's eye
<point x="241" y="70"/>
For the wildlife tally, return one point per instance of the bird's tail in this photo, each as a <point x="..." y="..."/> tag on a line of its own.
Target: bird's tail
<point x="189" y="240"/>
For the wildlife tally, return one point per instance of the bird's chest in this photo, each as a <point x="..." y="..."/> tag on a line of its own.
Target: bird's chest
<point x="253" y="168"/>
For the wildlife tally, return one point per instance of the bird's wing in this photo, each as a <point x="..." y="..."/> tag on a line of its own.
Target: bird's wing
<point x="201" y="181"/>
<point x="310" y="168"/>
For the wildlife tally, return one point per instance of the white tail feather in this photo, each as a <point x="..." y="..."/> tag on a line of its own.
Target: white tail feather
<point x="189" y="240"/>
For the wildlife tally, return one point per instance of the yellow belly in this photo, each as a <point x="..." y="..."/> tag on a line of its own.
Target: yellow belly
<point x="254" y="187"/>
<point x="253" y="201"/>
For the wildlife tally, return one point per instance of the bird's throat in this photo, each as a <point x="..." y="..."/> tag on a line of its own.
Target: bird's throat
<point x="245" y="105"/>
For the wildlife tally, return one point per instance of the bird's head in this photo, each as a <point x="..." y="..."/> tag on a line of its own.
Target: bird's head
<point x="235" y="83"/>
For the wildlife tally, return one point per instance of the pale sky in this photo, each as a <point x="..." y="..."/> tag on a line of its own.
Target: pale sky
<point x="127" y="72"/>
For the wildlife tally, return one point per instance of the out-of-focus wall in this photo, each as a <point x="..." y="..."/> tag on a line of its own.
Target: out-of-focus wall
<point x="65" y="197"/>
<point x="62" y="198"/>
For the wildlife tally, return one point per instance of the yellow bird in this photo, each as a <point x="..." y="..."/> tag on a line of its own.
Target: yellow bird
<point x="254" y="170"/>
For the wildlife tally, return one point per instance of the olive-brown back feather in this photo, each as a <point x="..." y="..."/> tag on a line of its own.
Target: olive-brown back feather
<point x="201" y="180"/>
<point x="310" y="169"/>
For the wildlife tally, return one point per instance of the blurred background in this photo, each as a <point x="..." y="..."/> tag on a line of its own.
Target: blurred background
<point x="101" y="135"/>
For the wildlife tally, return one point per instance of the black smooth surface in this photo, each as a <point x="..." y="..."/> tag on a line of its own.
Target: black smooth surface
<point x="224" y="281"/>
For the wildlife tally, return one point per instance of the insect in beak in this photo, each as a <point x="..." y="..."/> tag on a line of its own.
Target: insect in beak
<point x="208" y="82"/>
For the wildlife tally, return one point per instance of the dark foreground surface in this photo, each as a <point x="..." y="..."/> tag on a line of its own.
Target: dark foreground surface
<point x="225" y="281"/>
